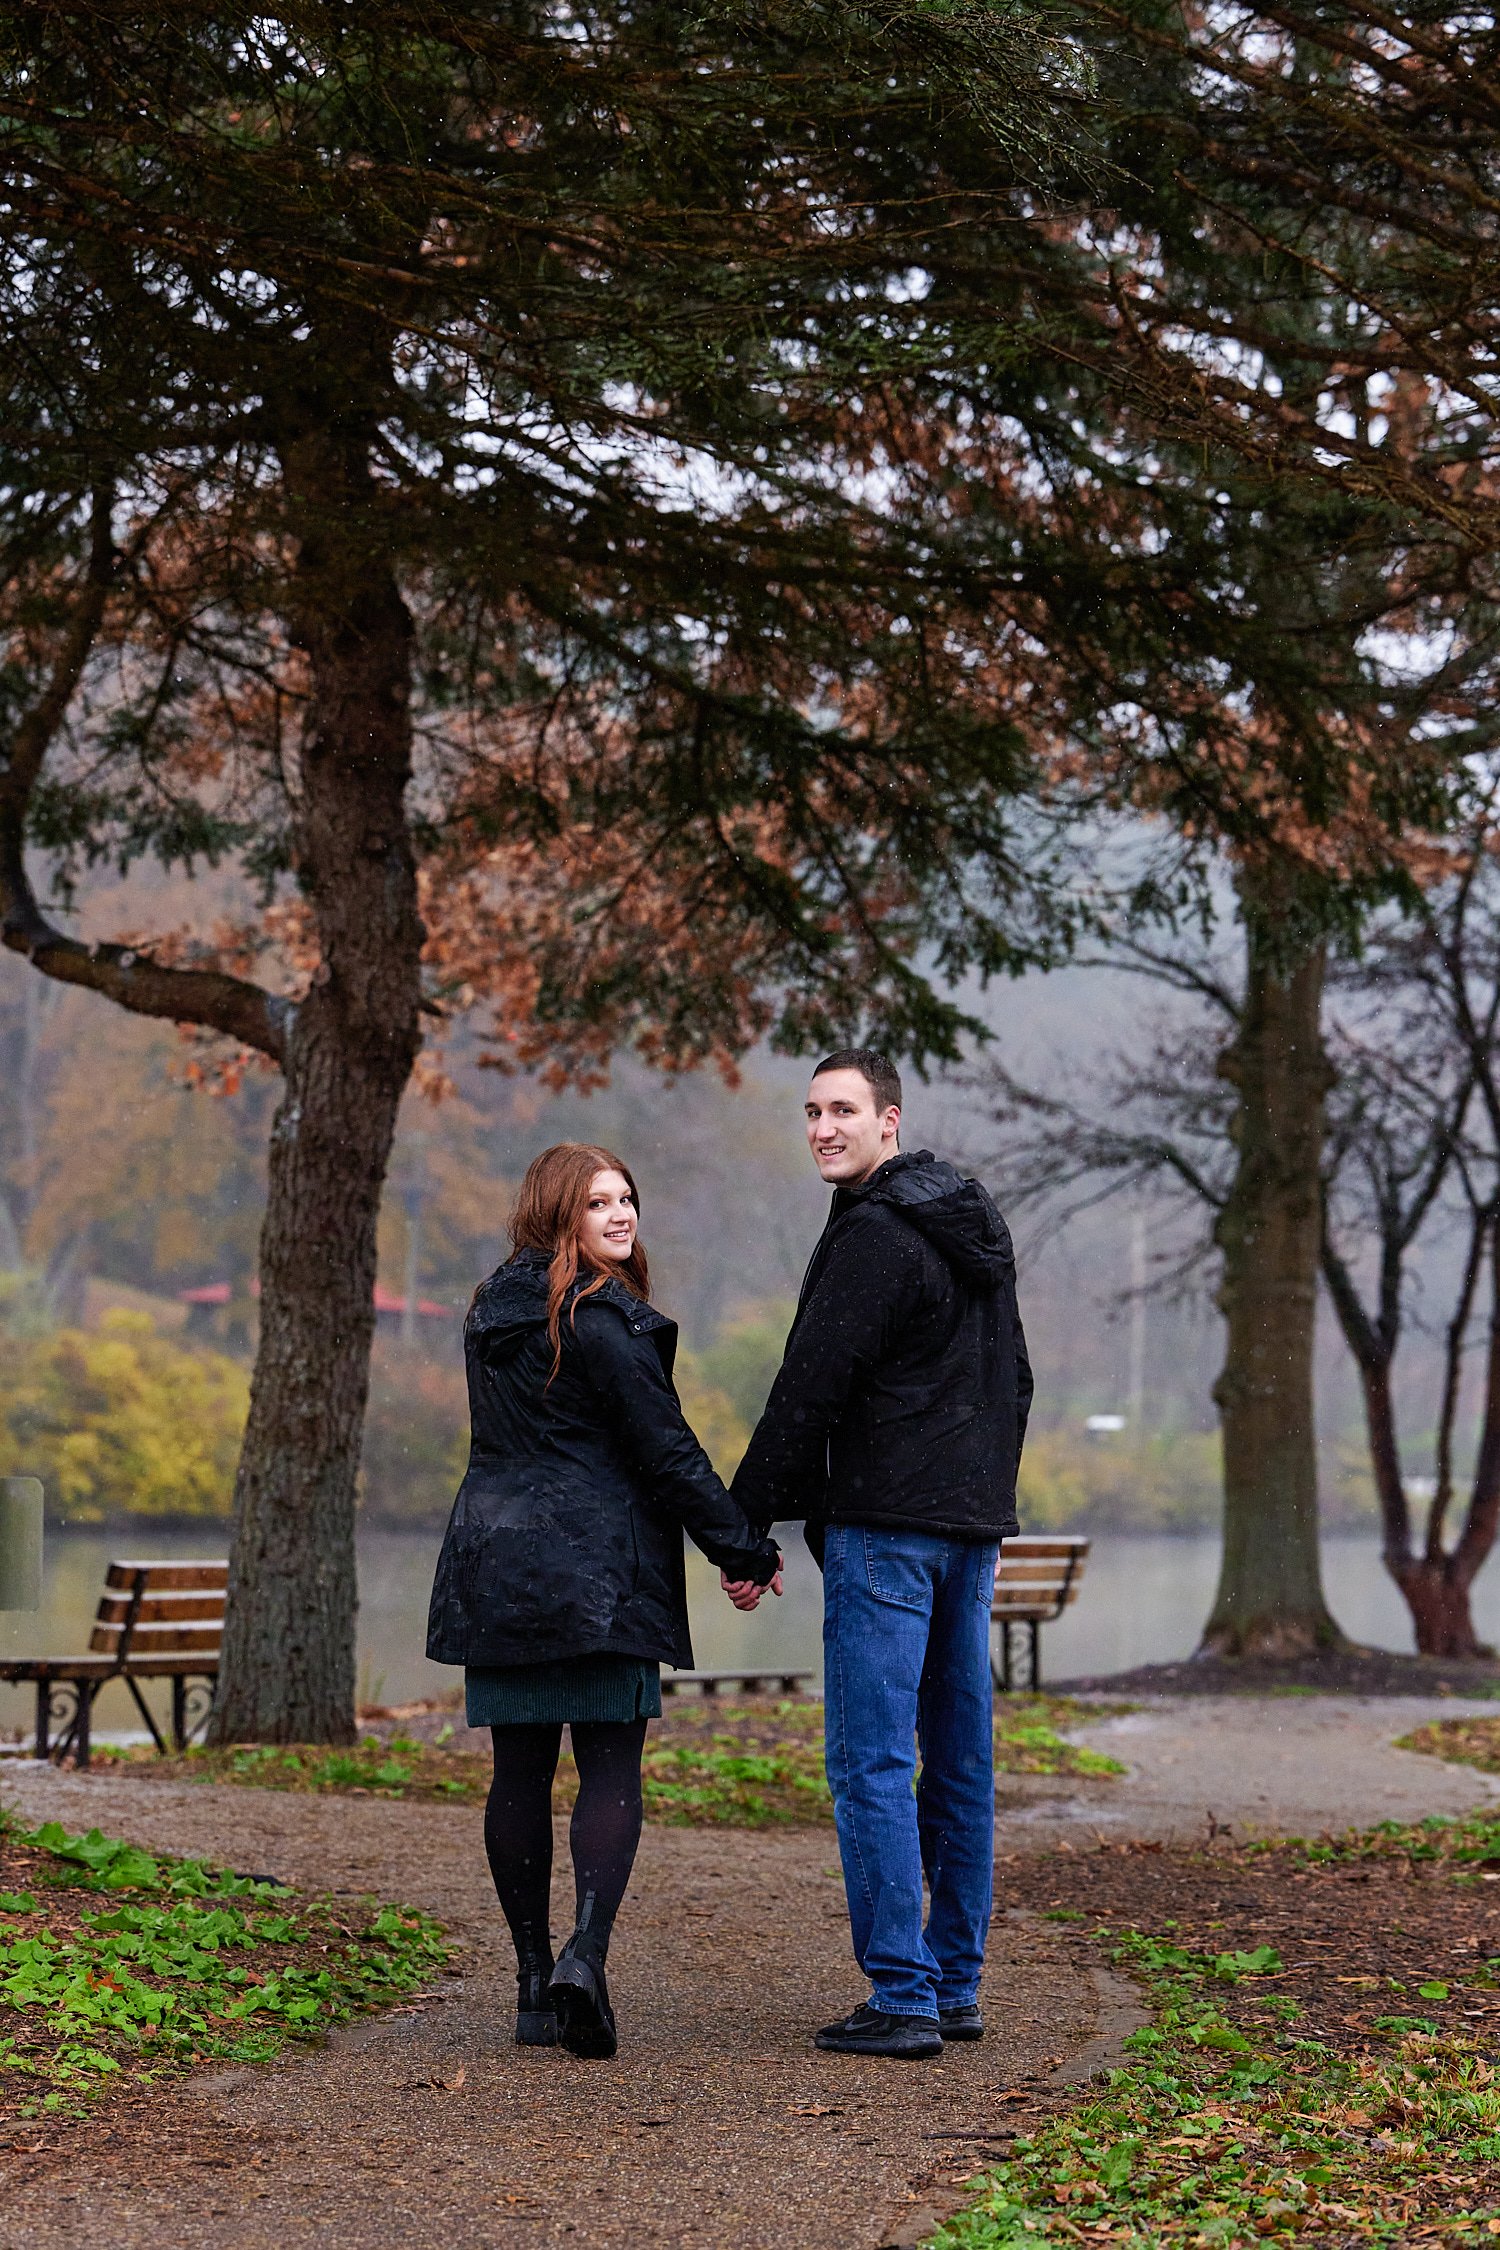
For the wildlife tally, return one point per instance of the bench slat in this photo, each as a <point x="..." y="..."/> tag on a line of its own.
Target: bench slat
<point x="1039" y="1573"/>
<point x="168" y="1577"/>
<point x="1024" y="1590"/>
<point x="1006" y="1589"/>
<point x="105" y="1668"/>
<point x="56" y="1668"/>
<point x="157" y="1640"/>
<point x="161" y="1609"/>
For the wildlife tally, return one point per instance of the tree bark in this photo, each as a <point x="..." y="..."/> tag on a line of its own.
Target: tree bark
<point x="289" y="1644"/>
<point x="1438" y="1596"/>
<point x="1439" y="1587"/>
<point x="1270" y="1598"/>
<point x="1436" y="1586"/>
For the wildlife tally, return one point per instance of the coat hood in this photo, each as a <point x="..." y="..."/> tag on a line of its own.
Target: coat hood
<point x="512" y="1305"/>
<point x="957" y="1216"/>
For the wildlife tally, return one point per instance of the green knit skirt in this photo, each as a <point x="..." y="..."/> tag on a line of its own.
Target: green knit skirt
<point x="609" y="1688"/>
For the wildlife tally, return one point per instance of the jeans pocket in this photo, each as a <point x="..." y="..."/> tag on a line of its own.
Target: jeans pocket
<point x="895" y="1574"/>
<point x="984" y="1581"/>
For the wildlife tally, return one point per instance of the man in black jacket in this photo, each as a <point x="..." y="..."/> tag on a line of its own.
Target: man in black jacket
<point x="894" y="1429"/>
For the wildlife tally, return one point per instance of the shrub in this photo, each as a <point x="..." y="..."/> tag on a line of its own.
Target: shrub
<point x="712" y="1415"/>
<point x="1073" y="1481"/>
<point x="124" y="1421"/>
<point x="741" y="1362"/>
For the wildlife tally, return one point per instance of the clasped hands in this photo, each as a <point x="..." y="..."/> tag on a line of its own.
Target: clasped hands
<point x="744" y="1593"/>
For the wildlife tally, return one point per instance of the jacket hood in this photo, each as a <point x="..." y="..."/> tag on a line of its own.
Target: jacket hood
<point x="957" y="1216"/>
<point x="512" y="1304"/>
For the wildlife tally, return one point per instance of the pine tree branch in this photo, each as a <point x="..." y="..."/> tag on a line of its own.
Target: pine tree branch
<point x="233" y="1006"/>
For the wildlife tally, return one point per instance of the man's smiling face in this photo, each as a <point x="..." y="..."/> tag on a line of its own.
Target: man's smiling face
<point x="848" y="1135"/>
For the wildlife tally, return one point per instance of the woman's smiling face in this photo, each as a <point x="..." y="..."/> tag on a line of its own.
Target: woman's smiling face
<point x="608" y="1231"/>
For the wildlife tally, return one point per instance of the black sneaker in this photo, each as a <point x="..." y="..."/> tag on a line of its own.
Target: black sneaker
<point x="869" y="2031"/>
<point x="961" y="2023"/>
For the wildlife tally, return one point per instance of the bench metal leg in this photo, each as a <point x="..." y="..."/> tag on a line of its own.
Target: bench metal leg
<point x="1000" y="1656"/>
<point x="145" y="1710"/>
<point x="63" y="1703"/>
<point x="1005" y="1667"/>
<point x="75" y="1735"/>
<point x="193" y="1706"/>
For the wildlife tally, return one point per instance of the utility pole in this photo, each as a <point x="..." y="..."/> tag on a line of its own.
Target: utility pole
<point x="413" y="1196"/>
<point x="1135" y="1388"/>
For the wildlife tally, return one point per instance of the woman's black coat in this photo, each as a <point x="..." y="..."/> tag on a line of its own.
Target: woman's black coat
<point x="566" y="1536"/>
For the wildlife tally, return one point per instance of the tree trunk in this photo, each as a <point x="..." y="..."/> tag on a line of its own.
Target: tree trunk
<point x="288" y="1662"/>
<point x="1438" y="1597"/>
<point x="1435" y="1587"/>
<point x="1270" y="1599"/>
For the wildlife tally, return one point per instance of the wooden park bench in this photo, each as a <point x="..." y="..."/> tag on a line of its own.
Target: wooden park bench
<point x="155" y="1621"/>
<point x="765" y="1679"/>
<point x="1035" y="1582"/>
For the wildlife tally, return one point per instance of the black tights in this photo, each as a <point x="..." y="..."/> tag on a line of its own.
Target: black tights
<point x="605" y="1832"/>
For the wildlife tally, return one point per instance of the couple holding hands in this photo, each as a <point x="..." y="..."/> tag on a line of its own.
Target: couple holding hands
<point x="893" y="1431"/>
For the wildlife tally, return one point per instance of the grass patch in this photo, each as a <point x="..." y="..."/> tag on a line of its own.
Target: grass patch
<point x="757" y="1764"/>
<point x="734" y="1780"/>
<point x="119" y="1967"/>
<point x="1233" y="2128"/>
<point x="751" y="1763"/>
<point x="1466" y="1846"/>
<point x="1462" y="1742"/>
<point x="1027" y="1737"/>
<point x="1276" y="2096"/>
<point x="375" y="1766"/>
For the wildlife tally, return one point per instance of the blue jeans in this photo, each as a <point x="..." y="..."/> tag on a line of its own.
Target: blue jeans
<point x="906" y="1632"/>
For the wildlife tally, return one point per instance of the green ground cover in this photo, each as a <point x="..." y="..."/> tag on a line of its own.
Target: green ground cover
<point x="118" y="1966"/>
<point x="751" y="1763"/>
<point x="1231" y="2131"/>
<point x="1256" y="2107"/>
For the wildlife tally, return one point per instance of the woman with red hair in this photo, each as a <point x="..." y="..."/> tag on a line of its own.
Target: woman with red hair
<point x="560" y="1587"/>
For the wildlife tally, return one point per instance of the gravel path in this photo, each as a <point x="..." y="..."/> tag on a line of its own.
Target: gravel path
<point x="719" y="2127"/>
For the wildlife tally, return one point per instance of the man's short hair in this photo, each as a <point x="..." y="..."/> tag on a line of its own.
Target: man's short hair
<point x="878" y="1072"/>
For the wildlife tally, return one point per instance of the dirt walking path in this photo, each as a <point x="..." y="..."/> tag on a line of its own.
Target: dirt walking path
<point x="1293" y="1765"/>
<point x="719" y="2127"/>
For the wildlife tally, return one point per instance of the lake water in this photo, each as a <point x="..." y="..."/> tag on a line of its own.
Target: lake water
<point x="1143" y="1601"/>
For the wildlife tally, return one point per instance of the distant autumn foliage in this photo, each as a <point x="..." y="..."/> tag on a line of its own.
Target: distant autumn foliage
<point x="122" y="1421"/>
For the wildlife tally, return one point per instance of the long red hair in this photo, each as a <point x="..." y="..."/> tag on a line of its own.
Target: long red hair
<point x="549" y="1213"/>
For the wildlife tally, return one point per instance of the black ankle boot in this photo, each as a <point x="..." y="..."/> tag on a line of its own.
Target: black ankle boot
<point x="536" y="2018"/>
<point x="585" y="2019"/>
